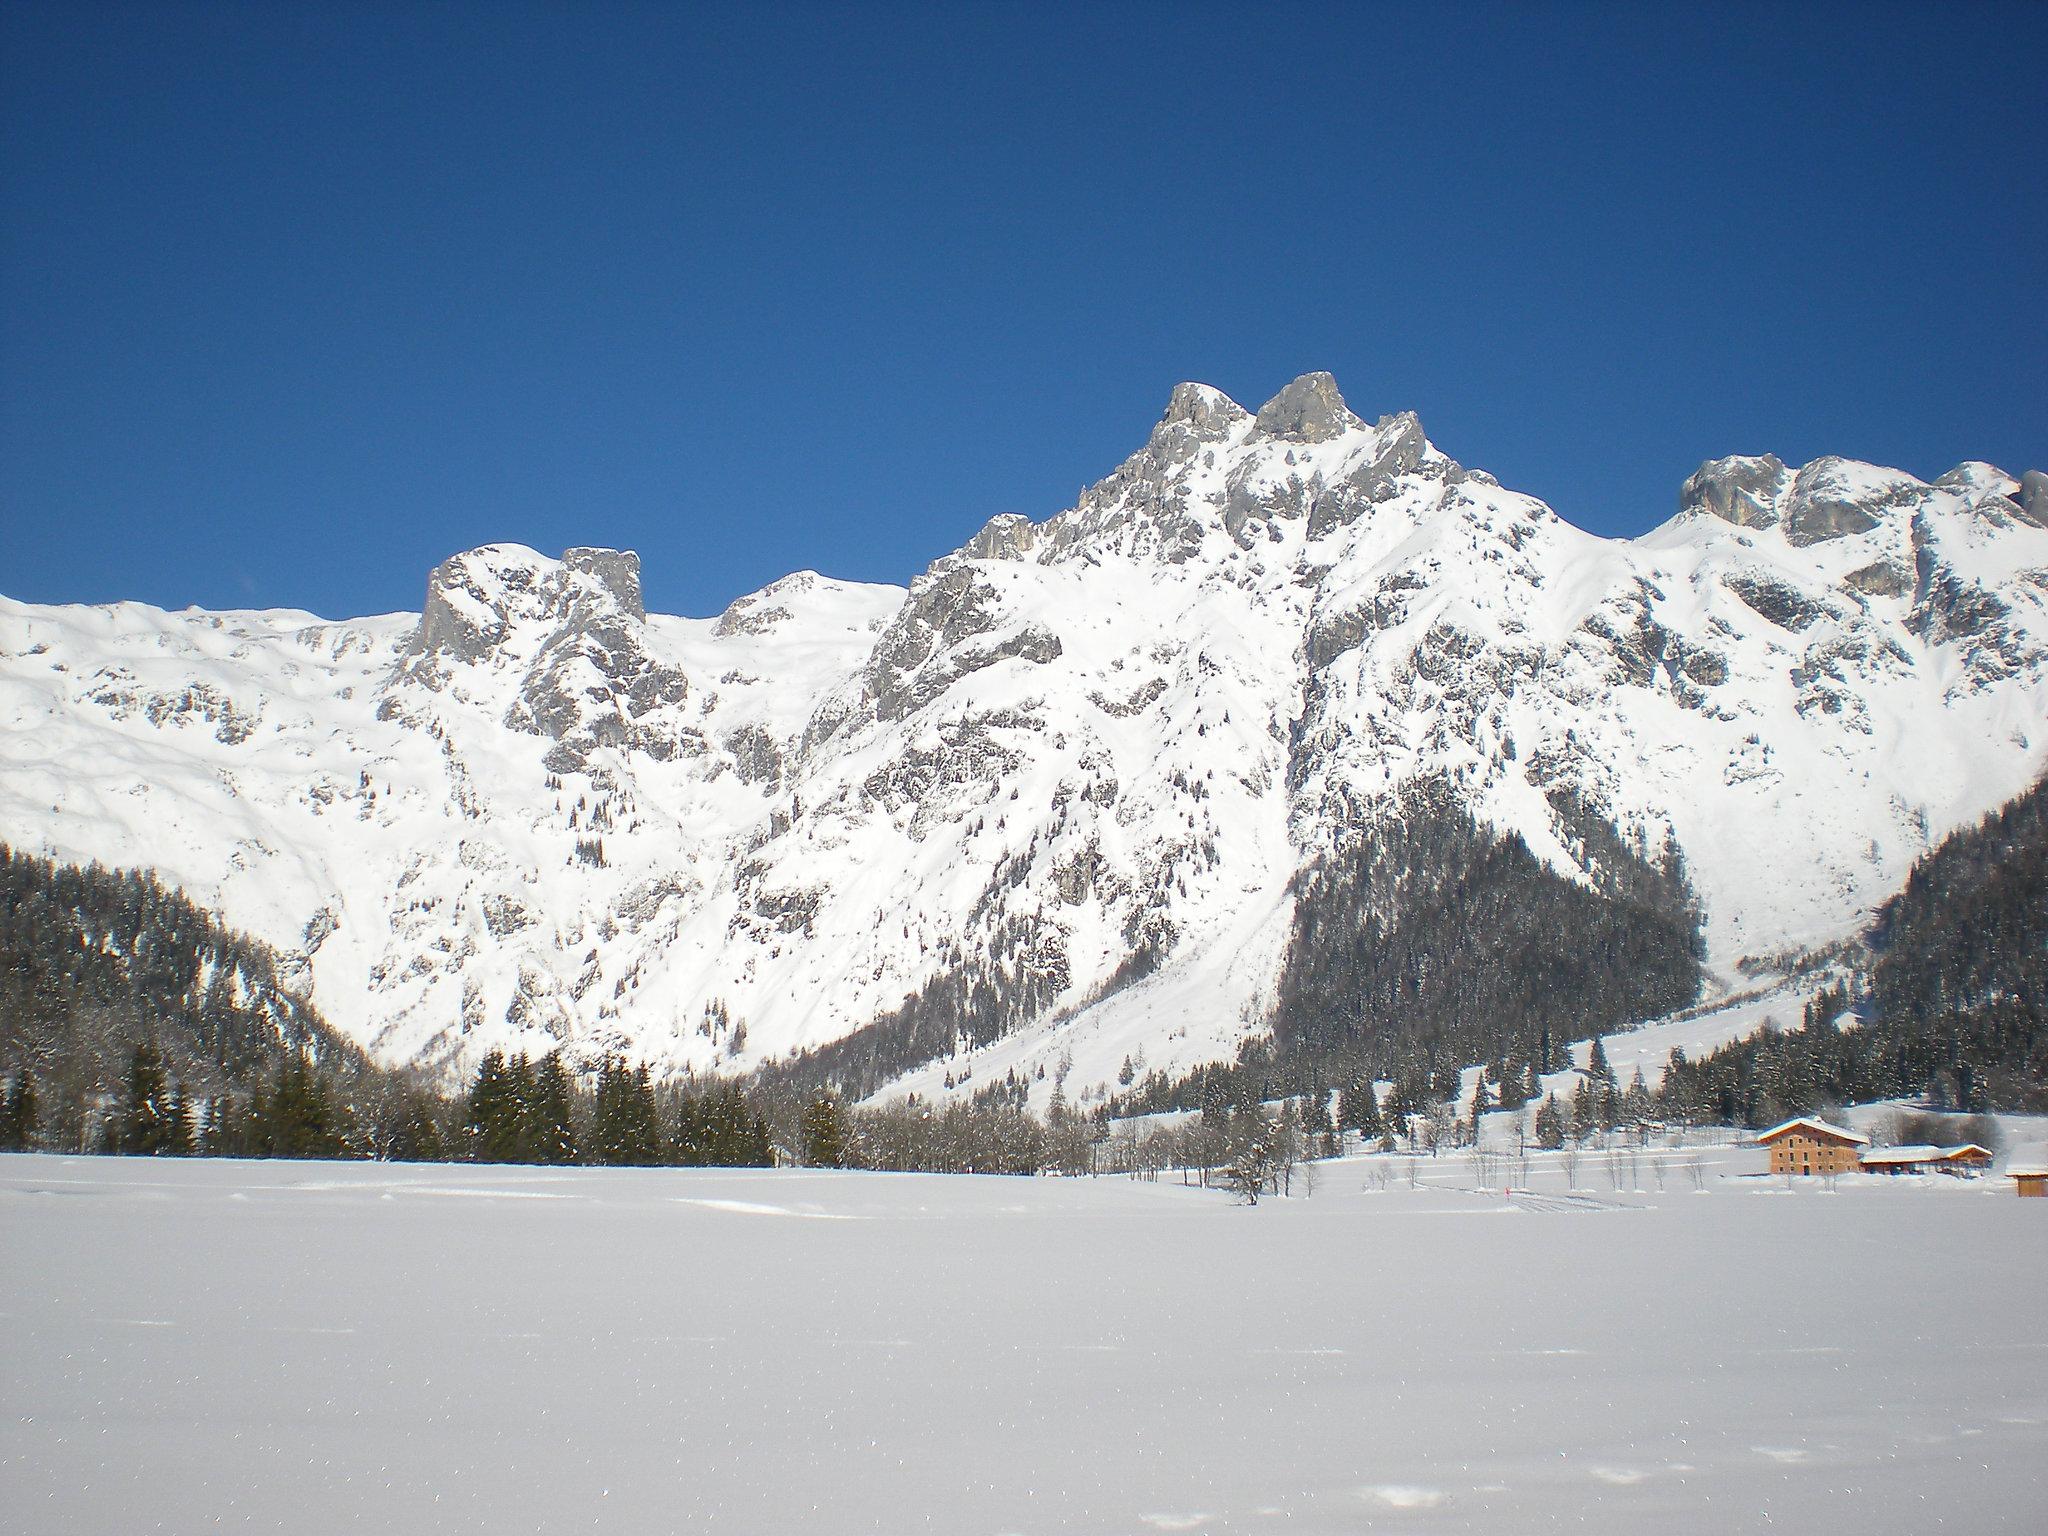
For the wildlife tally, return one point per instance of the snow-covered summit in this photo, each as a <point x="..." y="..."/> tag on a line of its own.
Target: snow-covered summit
<point x="1066" y="783"/>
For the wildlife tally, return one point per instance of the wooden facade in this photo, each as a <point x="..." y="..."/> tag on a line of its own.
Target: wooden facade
<point x="1810" y="1147"/>
<point x="1968" y="1159"/>
<point x="2032" y="1183"/>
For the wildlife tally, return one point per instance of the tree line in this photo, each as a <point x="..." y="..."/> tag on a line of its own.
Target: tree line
<point x="97" y="963"/>
<point x="131" y="1021"/>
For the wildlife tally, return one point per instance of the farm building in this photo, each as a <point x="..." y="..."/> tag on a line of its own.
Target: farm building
<point x="1968" y="1159"/>
<point x="1808" y="1146"/>
<point x="2032" y="1183"/>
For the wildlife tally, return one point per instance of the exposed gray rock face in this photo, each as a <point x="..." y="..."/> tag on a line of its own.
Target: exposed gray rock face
<point x="1881" y="578"/>
<point x="1738" y="489"/>
<point x="1195" y="415"/>
<point x="1820" y="508"/>
<point x="475" y="598"/>
<point x="1776" y="600"/>
<point x="1978" y="480"/>
<point x="946" y="630"/>
<point x="1402" y="450"/>
<point x="1307" y="411"/>
<point x="1330" y="635"/>
<point x="1006" y="536"/>
<point x="755" y="755"/>
<point x="593" y="684"/>
<point x="942" y="611"/>
<point x="759" y="612"/>
<point x="2033" y="498"/>
<point x="586" y="677"/>
<point x="618" y="570"/>
<point x="465" y="615"/>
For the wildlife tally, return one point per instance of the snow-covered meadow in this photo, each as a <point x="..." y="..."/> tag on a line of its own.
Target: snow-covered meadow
<point x="325" y="1347"/>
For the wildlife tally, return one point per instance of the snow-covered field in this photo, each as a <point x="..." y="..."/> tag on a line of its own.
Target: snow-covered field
<point x="192" y="1346"/>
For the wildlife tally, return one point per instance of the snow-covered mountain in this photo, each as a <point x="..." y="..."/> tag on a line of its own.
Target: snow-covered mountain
<point x="1066" y="782"/>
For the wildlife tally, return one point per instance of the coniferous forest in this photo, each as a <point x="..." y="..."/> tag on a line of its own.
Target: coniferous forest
<point x="131" y="1021"/>
<point x="1428" y="942"/>
<point x="1954" y="1010"/>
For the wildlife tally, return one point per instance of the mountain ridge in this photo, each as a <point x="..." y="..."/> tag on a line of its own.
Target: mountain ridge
<point x="1080" y="765"/>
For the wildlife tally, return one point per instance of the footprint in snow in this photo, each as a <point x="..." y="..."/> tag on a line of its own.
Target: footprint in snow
<point x="1620" y="1477"/>
<point x="1405" y="1496"/>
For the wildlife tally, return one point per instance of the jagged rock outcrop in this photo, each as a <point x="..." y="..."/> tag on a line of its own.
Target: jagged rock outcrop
<point x="1738" y="489"/>
<point x="1309" y="410"/>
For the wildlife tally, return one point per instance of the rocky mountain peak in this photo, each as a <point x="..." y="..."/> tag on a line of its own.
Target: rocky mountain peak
<point x="1200" y="412"/>
<point x="616" y="570"/>
<point x="475" y="599"/>
<point x="1834" y="496"/>
<point x="1742" y="489"/>
<point x="2033" y="497"/>
<point x="1309" y="410"/>
<point x="1993" y="492"/>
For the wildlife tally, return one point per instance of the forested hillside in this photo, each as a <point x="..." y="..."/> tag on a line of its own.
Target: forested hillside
<point x="1961" y="977"/>
<point x="1957" y="1006"/>
<point x="1432" y="937"/>
<point x="95" y="963"/>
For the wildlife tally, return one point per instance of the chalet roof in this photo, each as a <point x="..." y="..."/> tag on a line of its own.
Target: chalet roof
<point x="1909" y="1155"/>
<point x="1819" y="1128"/>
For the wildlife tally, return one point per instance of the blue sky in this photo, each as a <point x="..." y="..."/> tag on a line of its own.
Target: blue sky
<point x="296" y="301"/>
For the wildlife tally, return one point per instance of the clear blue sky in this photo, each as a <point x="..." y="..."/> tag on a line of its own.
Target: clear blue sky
<point x="296" y="300"/>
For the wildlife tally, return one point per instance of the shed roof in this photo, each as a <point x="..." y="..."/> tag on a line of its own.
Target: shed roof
<point x="1912" y="1154"/>
<point x="1817" y="1127"/>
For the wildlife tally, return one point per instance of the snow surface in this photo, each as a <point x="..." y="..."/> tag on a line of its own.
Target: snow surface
<point x="326" y="1348"/>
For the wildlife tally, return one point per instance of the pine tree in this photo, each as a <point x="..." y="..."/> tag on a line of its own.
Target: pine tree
<point x="151" y="1123"/>
<point x="824" y="1133"/>
<point x="1482" y="1101"/>
<point x="525" y="1122"/>
<point x="1358" y="1108"/>
<point x="1606" y="1090"/>
<point x="1397" y="1108"/>
<point x="1637" y="1108"/>
<point x="1585" y="1109"/>
<point x="625" y="1126"/>
<point x="687" y="1144"/>
<point x="492" y="1113"/>
<point x="413" y="1132"/>
<point x="183" y="1133"/>
<point x="18" y="1111"/>
<point x="551" y="1136"/>
<point x="302" y="1121"/>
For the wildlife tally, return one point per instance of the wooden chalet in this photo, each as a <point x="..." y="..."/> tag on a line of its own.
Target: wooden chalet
<point x="1967" y="1160"/>
<point x="1809" y="1146"/>
<point x="2032" y="1183"/>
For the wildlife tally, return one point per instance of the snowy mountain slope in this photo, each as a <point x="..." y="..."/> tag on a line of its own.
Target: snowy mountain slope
<point x="1050" y="805"/>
